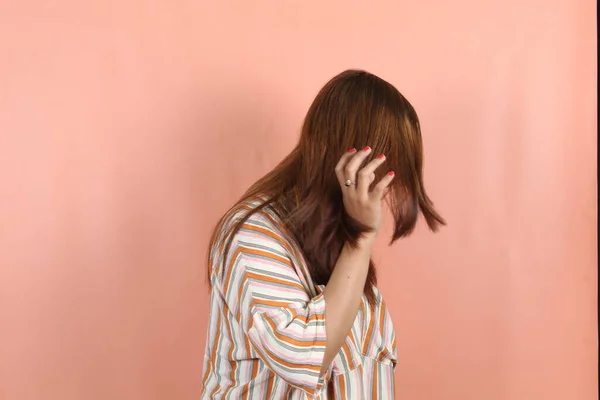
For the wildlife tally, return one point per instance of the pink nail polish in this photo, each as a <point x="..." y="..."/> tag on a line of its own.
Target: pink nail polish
<point x="352" y="150"/>
<point x="381" y="156"/>
<point x="391" y="173"/>
<point x="367" y="148"/>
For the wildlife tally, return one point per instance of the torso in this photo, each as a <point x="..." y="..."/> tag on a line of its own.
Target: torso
<point x="243" y="296"/>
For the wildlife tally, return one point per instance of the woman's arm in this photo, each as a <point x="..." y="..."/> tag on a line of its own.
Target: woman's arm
<point x="343" y="295"/>
<point x="344" y="290"/>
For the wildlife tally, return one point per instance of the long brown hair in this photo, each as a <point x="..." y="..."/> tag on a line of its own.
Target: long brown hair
<point x="353" y="110"/>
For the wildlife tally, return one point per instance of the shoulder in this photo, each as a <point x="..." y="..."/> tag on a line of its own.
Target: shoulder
<point x="251" y="227"/>
<point x="254" y="220"/>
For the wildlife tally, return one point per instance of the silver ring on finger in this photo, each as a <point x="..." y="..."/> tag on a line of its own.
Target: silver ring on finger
<point x="349" y="183"/>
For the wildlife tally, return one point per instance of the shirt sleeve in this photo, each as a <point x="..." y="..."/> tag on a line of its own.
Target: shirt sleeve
<point x="263" y="289"/>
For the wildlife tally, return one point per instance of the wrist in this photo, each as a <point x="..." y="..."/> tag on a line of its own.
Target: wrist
<point x="366" y="240"/>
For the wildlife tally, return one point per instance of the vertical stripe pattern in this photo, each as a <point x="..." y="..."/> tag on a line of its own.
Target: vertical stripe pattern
<point x="266" y="331"/>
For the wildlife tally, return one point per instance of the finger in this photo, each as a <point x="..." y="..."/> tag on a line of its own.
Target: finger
<point x="355" y="162"/>
<point x="341" y="165"/>
<point x="383" y="184"/>
<point x="366" y="176"/>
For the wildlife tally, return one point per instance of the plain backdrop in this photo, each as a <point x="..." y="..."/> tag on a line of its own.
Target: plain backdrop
<point x="127" y="127"/>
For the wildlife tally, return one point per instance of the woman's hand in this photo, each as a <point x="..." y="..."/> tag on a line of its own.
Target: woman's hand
<point x="360" y="203"/>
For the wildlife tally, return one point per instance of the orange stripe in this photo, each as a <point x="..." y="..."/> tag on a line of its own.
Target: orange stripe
<point x="266" y="254"/>
<point x="272" y="303"/>
<point x="255" y="365"/>
<point x="375" y="386"/>
<point x="289" y="340"/>
<point x="385" y="352"/>
<point x="239" y="299"/>
<point x="229" y="273"/>
<point x="209" y="368"/>
<point x="369" y="334"/>
<point x="254" y="369"/>
<point x="274" y="280"/>
<point x="265" y="231"/>
<point x="346" y="351"/>
<point x="342" y="380"/>
<point x="288" y="391"/>
<point x="382" y="354"/>
<point x="270" y="384"/>
<point x="233" y="364"/>
<point x="214" y="354"/>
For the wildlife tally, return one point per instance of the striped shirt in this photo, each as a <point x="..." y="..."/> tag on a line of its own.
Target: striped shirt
<point x="266" y="334"/>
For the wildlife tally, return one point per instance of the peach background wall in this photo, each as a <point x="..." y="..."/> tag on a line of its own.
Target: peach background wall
<point x="127" y="127"/>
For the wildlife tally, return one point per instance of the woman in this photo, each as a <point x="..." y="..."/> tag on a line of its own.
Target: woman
<point x="294" y="312"/>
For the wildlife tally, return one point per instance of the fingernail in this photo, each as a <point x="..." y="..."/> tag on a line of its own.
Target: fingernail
<point x="367" y="148"/>
<point x="391" y="173"/>
<point x="380" y="156"/>
<point x="352" y="150"/>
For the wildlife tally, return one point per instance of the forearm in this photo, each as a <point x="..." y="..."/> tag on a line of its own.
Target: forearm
<point x="343" y="295"/>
